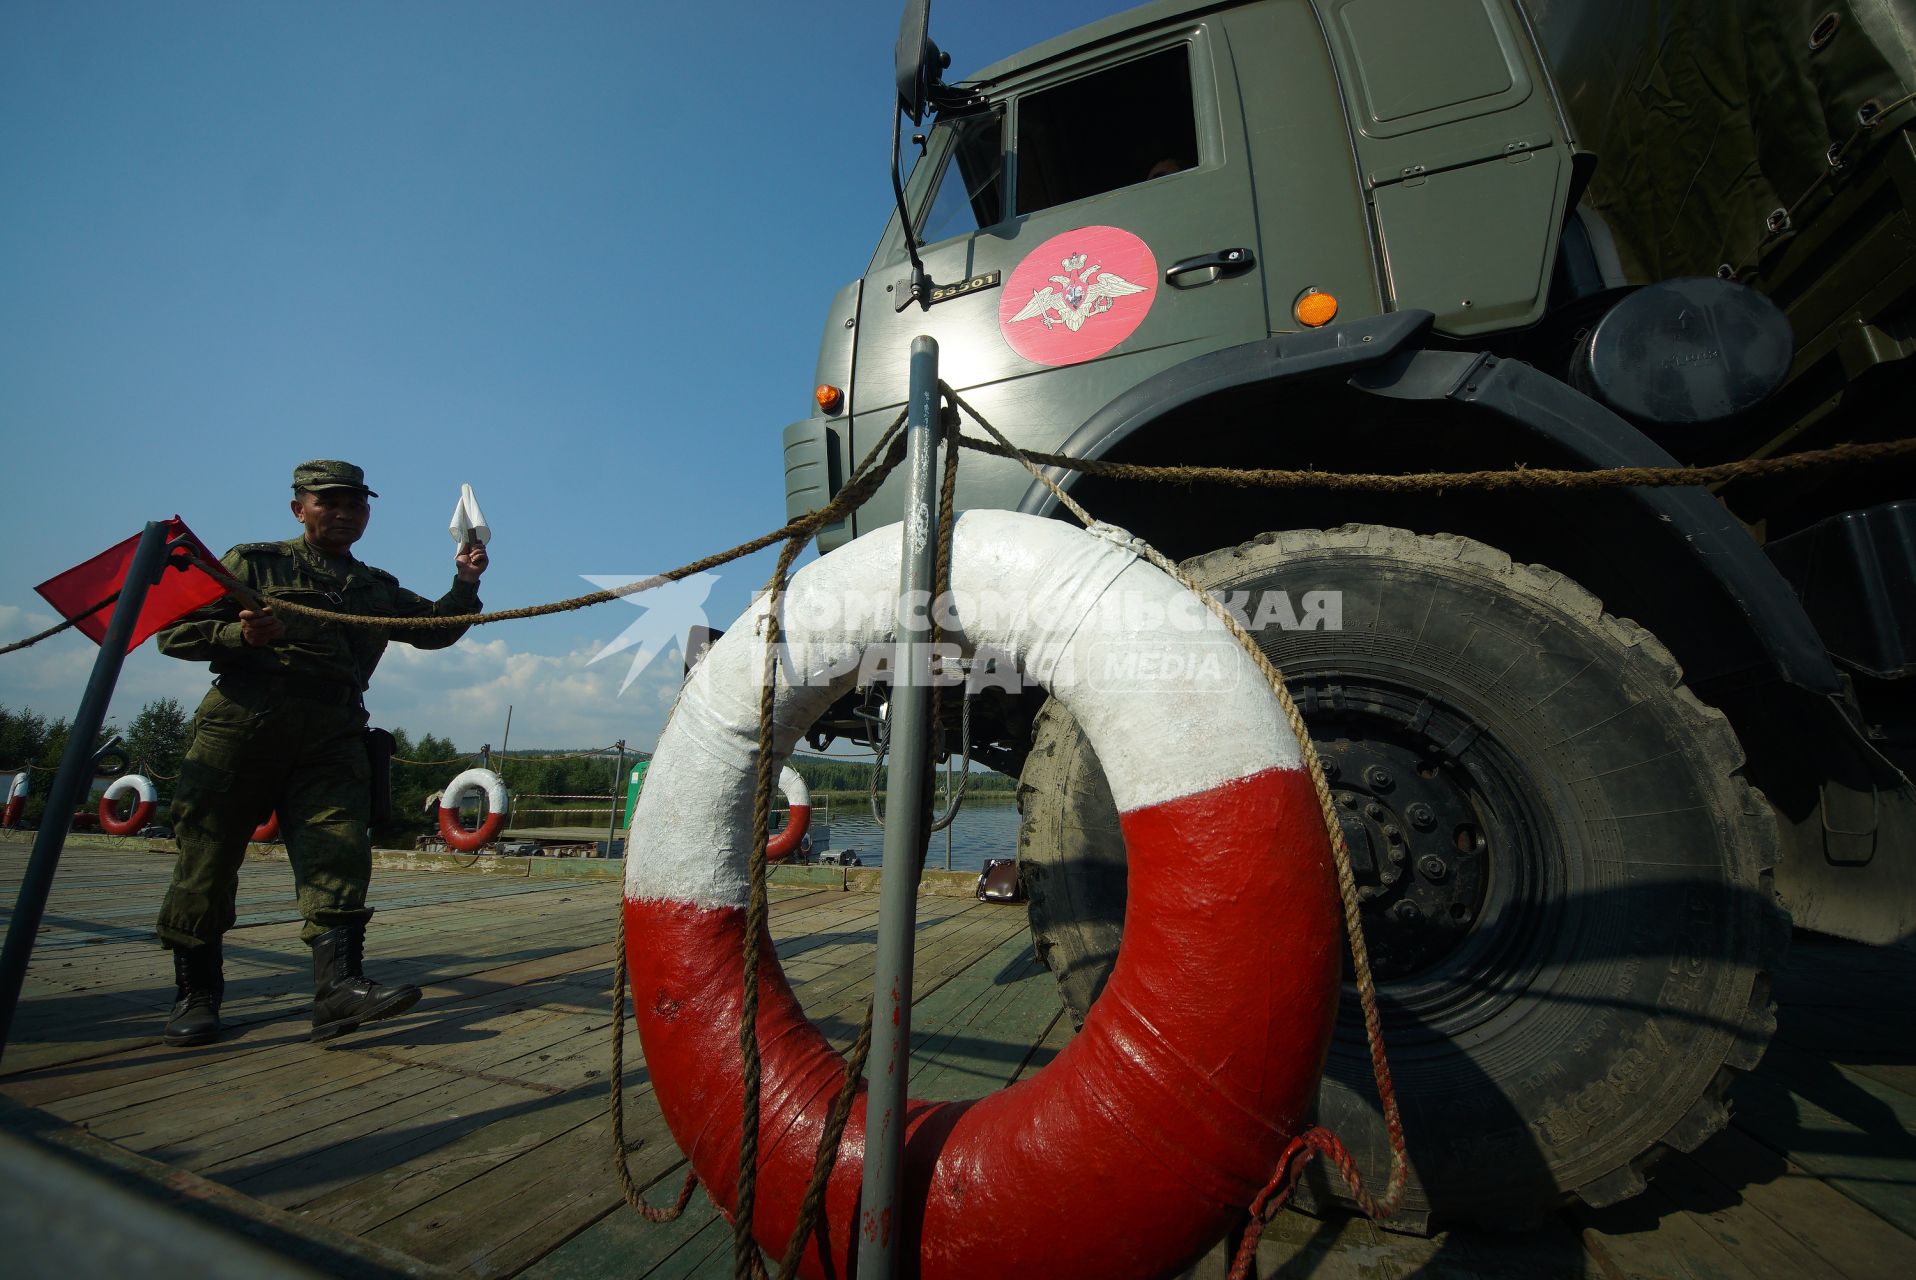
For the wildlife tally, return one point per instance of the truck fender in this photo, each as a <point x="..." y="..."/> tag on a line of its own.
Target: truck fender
<point x="1384" y="356"/>
<point x="1841" y="802"/>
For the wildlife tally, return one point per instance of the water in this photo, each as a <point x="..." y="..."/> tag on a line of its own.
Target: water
<point x="983" y="829"/>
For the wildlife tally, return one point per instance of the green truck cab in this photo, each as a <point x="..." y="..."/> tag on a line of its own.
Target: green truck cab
<point x="1594" y="748"/>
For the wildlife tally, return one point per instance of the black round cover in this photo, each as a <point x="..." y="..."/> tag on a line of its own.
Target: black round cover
<point x="1696" y="349"/>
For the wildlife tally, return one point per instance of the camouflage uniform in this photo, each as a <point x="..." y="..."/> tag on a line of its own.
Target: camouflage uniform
<point x="281" y="732"/>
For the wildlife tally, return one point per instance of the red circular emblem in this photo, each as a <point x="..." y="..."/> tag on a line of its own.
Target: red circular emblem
<point x="1078" y="295"/>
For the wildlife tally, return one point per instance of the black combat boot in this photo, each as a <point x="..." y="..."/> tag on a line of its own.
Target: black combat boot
<point x="199" y="984"/>
<point x="343" y="997"/>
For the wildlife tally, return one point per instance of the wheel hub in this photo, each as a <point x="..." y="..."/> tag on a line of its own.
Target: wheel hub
<point x="1417" y="848"/>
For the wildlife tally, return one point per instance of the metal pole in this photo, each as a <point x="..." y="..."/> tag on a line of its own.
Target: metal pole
<point x="618" y="797"/>
<point x="76" y="770"/>
<point x="906" y="836"/>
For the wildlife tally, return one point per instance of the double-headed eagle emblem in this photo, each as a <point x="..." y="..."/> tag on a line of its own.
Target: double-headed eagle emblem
<point x="1079" y="295"/>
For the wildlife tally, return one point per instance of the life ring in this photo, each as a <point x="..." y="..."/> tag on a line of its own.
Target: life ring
<point x="16" y="799"/>
<point x="267" y="830"/>
<point x="799" y="796"/>
<point x="146" y="802"/>
<point x="492" y="789"/>
<point x="1134" y="1150"/>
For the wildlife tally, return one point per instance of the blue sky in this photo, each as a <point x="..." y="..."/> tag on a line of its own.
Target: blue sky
<point x="573" y="254"/>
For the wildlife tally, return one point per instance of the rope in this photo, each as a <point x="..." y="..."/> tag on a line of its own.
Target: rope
<point x="1315" y="1140"/>
<point x="849" y="499"/>
<point x="624" y="1171"/>
<point x="1438" y="481"/>
<point x="745" y="1252"/>
<point x="56" y="629"/>
<point x="884" y="457"/>
<point x="953" y="803"/>
<point x="453" y="760"/>
<point x="1237" y="477"/>
<point x="826" y="1156"/>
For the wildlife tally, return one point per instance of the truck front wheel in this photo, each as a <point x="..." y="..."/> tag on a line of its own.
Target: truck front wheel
<point x="1565" y="880"/>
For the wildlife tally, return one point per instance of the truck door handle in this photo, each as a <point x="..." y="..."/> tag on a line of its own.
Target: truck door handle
<point x="1224" y="262"/>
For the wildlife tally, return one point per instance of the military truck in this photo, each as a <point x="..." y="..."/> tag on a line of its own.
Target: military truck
<point x="1588" y="745"/>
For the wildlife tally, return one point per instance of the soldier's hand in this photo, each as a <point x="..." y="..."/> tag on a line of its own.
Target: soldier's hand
<point x="470" y="562"/>
<point x="259" y="627"/>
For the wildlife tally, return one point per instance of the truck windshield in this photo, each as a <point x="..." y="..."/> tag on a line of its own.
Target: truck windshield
<point x="970" y="190"/>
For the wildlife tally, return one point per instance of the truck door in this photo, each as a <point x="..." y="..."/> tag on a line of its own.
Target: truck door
<point x="1093" y="224"/>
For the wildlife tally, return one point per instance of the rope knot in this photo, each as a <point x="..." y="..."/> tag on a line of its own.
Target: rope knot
<point x="1117" y="537"/>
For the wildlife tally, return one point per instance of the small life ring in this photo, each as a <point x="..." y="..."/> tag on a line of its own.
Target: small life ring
<point x="267" y="830"/>
<point x="1134" y="1149"/>
<point x="492" y="789"/>
<point x="16" y="799"/>
<point x="146" y="802"/>
<point x="799" y="797"/>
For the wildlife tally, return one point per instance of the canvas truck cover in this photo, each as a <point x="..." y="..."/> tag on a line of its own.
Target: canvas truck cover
<point x="1707" y="116"/>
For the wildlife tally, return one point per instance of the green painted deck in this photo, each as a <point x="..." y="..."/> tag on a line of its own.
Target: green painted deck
<point x="470" y="1135"/>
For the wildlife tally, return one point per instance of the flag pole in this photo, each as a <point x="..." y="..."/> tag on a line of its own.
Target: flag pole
<point x="76" y="770"/>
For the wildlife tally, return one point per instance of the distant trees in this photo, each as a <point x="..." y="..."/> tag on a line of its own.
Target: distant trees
<point x="34" y="741"/>
<point x="156" y="741"/>
<point x="23" y="738"/>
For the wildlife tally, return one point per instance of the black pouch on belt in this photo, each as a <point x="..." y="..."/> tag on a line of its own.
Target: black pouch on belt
<point x="379" y="753"/>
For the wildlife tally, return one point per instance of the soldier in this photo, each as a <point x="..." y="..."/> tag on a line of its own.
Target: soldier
<point x="282" y="731"/>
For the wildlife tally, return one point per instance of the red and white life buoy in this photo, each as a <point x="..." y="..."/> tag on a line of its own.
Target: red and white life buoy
<point x="146" y="802"/>
<point x="16" y="799"/>
<point x="492" y="789"/>
<point x="267" y="830"/>
<point x="799" y="796"/>
<point x="1131" y="1152"/>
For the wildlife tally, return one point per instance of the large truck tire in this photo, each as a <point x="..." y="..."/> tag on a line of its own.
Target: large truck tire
<point x="1566" y="880"/>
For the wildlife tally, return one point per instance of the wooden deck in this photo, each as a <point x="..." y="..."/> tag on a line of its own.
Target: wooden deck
<point x="470" y="1135"/>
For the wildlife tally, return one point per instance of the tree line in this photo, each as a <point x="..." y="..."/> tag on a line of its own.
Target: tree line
<point x="158" y="736"/>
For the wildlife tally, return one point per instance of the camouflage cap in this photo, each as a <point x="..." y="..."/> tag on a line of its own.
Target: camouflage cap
<point x="325" y="473"/>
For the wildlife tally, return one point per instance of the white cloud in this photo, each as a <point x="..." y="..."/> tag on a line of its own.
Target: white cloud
<point x="17" y="623"/>
<point x="557" y="700"/>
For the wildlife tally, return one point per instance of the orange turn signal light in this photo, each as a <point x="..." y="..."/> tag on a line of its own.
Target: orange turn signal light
<point x="1315" y="308"/>
<point x="829" y="398"/>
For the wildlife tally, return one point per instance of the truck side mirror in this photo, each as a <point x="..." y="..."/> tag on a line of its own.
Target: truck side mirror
<point x="914" y="60"/>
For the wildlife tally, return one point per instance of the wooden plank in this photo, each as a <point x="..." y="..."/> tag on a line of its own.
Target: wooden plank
<point x="42" y="1084"/>
<point x="1849" y="1130"/>
<point x="1852" y="1241"/>
<point x="383" y="1195"/>
<point x="198" y="1135"/>
<point x="1733" y="1221"/>
<point x="1055" y="1038"/>
<point x="707" y="1253"/>
<point x="503" y="1219"/>
<point x="980" y="1028"/>
<point x="368" y="1149"/>
<point x="85" y="1206"/>
<point x="1647" y="1239"/>
<point x="622" y="1243"/>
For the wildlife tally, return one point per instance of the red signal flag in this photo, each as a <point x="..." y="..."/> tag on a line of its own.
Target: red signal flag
<point x="175" y="595"/>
